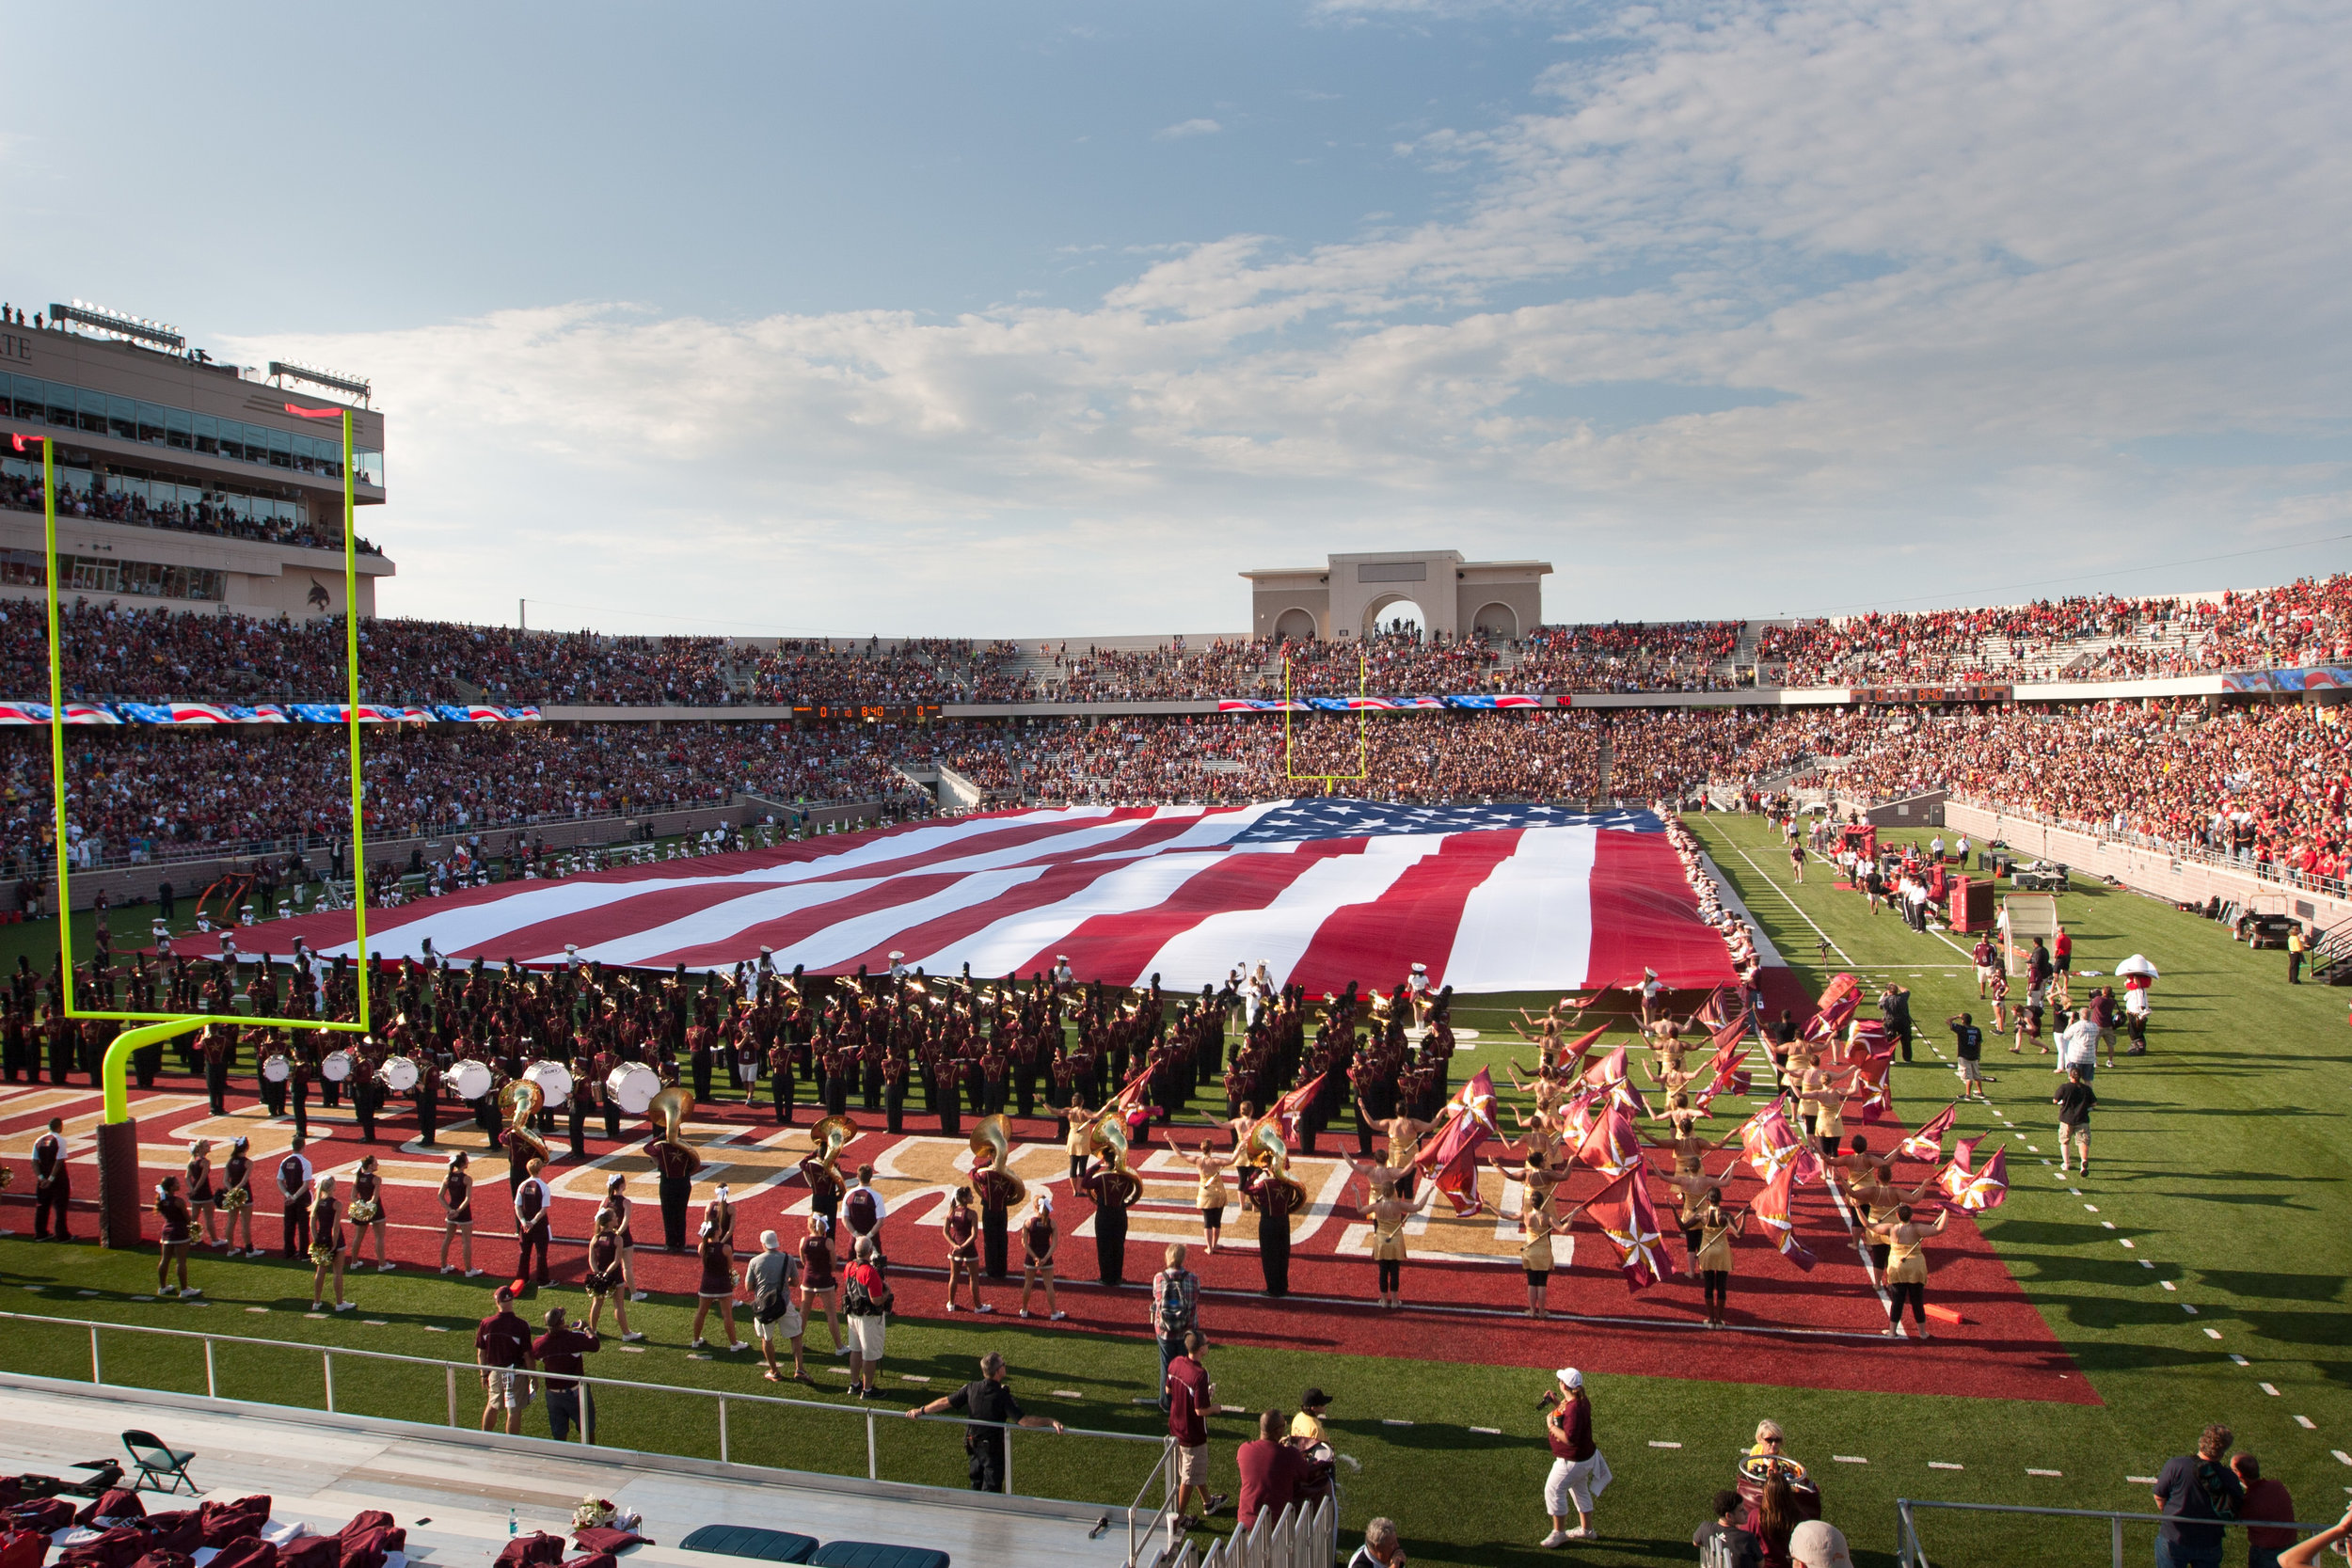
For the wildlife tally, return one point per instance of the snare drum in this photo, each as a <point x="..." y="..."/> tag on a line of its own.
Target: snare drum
<point x="398" y="1074"/>
<point x="337" y="1067"/>
<point x="276" y="1068"/>
<point x="468" y="1080"/>
<point x="633" y="1086"/>
<point x="554" y="1080"/>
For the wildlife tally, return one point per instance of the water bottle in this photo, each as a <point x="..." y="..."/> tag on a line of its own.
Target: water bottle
<point x="509" y="1522"/>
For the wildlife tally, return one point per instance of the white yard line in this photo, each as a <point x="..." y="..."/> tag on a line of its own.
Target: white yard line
<point x="1792" y="903"/>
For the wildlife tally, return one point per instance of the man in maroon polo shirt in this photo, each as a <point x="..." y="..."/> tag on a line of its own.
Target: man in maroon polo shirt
<point x="501" y="1348"/>
<point x="1191" y="1398"/>
<point x="1271" y="1470"/>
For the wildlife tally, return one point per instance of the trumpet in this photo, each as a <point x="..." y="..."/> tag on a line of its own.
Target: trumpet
<point x="831" y="1136"/>
<point x="993" y="1136"/>
<point x="522" y="1098"/>
<point x="1265" y="1149"/>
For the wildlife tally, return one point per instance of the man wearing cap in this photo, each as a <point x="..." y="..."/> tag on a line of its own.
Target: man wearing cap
<point x="1818" y="1544"/>
<point x="558" y="1352"/>
<point x="1569" y="1425"/>
<point x="501" y="1348"/>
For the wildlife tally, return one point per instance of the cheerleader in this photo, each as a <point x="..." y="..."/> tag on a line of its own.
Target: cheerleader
<point x="366" y="1213"/>
<point x="1210" y="1195"/>
<point x="177" y="1234"/>
<point x="607" y="1279"/>
<point x="719" y="1215"/>
<point x="1037" y="1255"/>
<point x="236" y="1200"/>
<point x="718" y="1285"/>
<point x="456" y="1196"/>
<point x="327" y="1246"/>
<point x="199" y="1189"/>
<point x="1388" y="1218"/>
<point x="616" y="1204"/>
<point x="963" y="1253"/>
<point x="818" y="1285"/>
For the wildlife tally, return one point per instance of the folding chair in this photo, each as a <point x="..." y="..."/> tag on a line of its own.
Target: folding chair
<point x="158" y="1464"/>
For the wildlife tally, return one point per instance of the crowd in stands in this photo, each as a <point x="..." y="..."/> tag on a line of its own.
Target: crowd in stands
<point x="1629" y="655"/>
<point x="219" y="513"/>
<point x="135" y="793"/>
<point x="161" y="654"/>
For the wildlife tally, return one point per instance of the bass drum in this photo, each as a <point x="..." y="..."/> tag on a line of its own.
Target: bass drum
<point x="554" y="1080"/>
<point x="633" y="1086"/>
<point x="337" y="1067"/>
<point x="276" y="1068"/>
<point x="468" y="1080"/>
<point x="398" y="1074"/>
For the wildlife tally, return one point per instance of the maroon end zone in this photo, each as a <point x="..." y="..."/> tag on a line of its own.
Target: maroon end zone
<point x="1466" y="1291"/>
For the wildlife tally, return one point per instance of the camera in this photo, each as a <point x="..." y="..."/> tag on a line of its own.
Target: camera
<point x="1551" y="1397"/>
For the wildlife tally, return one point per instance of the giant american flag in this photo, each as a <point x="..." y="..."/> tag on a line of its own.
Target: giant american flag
<point x="1323" y="891"/>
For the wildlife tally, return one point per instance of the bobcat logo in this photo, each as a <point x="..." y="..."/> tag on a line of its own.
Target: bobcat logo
<point x="319" y="599"/>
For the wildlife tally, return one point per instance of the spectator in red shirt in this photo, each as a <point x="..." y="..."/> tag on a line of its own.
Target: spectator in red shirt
<point x="1190" y="1397"/>
<point x="2265" y="1499"/>
<point x="1271" y="1470"/>
<point x="501" y="1348"/>
<point x="559" y="1352"/>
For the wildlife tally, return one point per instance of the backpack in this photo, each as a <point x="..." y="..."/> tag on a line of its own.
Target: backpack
<point x="1174" y="1319"/>
<point x="2212" y="1478"/>
<point x="857" y="1301"/>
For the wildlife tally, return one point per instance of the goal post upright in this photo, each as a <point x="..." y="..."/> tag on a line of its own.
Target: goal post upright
<point x="118" y="1178"/>
<point x="1363" y="720"/>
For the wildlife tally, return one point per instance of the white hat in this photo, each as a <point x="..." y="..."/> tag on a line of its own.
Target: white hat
<point x="896" y="955"/>
<point x="1061" y="957"/>
<point x="1818" y="1544"/>
<point x="1421" y="969"/>
<point x="571" y="947"/>
<point x="1569" y="1377"/>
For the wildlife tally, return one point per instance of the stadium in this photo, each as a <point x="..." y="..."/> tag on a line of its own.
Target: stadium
<point x="1403" y="1074"/>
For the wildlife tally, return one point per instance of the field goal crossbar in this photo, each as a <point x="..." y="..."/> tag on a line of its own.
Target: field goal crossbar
<point x="1363" y="730"/>
<point x="1909" y="1553"/>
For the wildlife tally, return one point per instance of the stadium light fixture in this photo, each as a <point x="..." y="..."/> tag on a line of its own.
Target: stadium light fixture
<point x="118" y="1178"/>
<point x="287" y="370"/>
<point x="138" y="329"/>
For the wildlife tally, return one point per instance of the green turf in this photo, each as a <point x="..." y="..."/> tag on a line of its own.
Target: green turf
<point x="2219" y="1154"/>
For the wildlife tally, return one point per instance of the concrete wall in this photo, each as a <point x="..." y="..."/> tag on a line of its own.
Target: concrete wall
<point x="2182" y="881"/>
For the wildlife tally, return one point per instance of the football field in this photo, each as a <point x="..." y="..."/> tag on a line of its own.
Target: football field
<point x="2197" y="1276"/>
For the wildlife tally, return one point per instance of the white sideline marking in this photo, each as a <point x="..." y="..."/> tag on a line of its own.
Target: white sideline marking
<point x="2143" y="1262"/>
<point x="1849" y="1459"/>
<point x="1939" y="1465"/>
<point x="2168" y="1285"/>
<point x="2341" y="1457"/>
<point x="1069" y="1394"/>
<point x="913" y="1377"/>
<point x="2268" y="1389"/>
<point x="2306" y="1424"/>
<point x="1659" y="1443"/>
<point x="2213" y="1334"/>
<point x="2239" y="1359"/>
<point x="2134" y="1246"/>
<point x="2143" y="1480"/>
<point x="1392" y="1421"/>
<point x="1487" y="1432"/>
<point x="257" y="1308"/>
<point x="2045" y="1472"/>
<point x="2189" y="1310"/>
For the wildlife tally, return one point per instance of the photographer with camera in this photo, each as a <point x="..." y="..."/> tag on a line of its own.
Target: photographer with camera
<point x="1577" y="1471"/>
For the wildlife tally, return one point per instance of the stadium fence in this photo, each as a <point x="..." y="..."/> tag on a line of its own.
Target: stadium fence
<point x="1909" y="1553"/>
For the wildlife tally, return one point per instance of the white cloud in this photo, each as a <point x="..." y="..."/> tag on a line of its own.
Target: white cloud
<point x="1932" y="268"/>
<point x="1186" y="128"/>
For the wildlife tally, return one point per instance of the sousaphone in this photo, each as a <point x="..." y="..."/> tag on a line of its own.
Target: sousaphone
<point x="993" y="1137"/>
<point x="1107" y="1138"/>
<point x="831" y="1136"/>
<point x="522" y="1098"/>
<point x="1265" y="1149"/>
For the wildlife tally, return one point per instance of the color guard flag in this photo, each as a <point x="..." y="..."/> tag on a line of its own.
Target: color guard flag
<point x="1987" y="1187"/>
<point x="1927" y="1143"/>
<point x="1626" y="1215"/>
<point x="1956" y="1175"/>
<point x="1771" y="1209"/>
<point x="1452" y="1157"/>
<point x="1293" y="1105"/>
<point x="1576" y="1116"/>
<point x="1608" y="1072"/>
<point x="1871" y="1081"/>
<point x="1613" y="1145"/>
<point x="1838" y="1001"/>
<point x="1572" y="1054"/>
<point x="1770" y="1143"/>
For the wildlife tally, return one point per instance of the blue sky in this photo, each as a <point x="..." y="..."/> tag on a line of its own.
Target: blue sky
<point x="1047" y="318"/>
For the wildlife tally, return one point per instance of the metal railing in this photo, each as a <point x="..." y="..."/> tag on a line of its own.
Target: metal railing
<point x="1302" y="1535"/>
<point x="1910" y="1554"/>
<point x="1140" y="1527"/>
